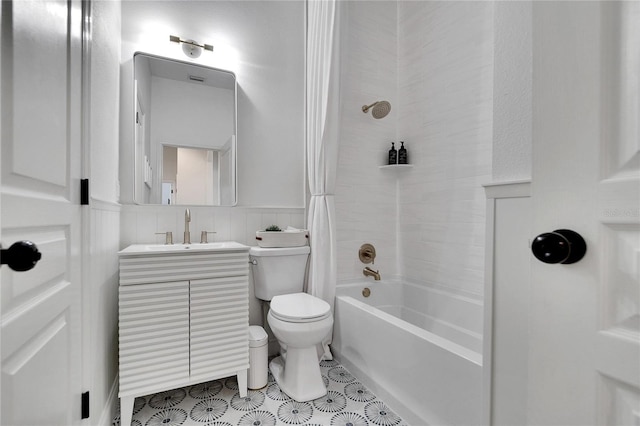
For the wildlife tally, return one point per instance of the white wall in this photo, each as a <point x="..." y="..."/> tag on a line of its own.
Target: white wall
<point x="445" y="118"/>
<point x="194" y="180"/>
<point x="102" y="232"/>
<point x="512" y="86"/>
<point x="105" y="101"/>
<point x="365" y="194"/>
<point x="508" y="296"/>
<point x="183" y="114"/>
<point x="509" y="265"/>
<point x="262" y="42"/>
<point x="101" y="307"/>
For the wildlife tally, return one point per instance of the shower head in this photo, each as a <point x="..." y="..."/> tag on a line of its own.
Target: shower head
<point x="380" y="109"/>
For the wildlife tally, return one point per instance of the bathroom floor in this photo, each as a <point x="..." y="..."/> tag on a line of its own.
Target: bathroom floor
<point x="218" y="403"/>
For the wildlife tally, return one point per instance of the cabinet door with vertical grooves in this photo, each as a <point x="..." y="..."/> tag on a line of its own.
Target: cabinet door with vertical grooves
<point x="219" y="325"/>
<point x="154" y="334"/>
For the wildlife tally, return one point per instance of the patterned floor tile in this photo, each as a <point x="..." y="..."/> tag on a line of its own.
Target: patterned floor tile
<point x="218" y="403"/>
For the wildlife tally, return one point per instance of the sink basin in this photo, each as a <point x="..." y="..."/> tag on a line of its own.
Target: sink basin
<point x="182" y="248"/>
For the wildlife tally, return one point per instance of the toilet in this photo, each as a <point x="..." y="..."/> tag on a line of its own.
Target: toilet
<point x="298" y="320"/>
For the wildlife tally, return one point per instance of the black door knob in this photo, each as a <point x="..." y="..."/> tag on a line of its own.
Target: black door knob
<point x="560" y="246"/>
<point x="21" y="256"/>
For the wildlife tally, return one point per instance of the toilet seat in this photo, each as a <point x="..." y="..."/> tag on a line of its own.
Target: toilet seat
<point x="299" y="308"/>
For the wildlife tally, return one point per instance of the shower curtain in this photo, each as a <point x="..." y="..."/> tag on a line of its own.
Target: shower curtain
<point x="322" y="148"/>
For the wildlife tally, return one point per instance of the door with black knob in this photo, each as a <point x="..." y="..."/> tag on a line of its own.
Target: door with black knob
<point x="584" y="314"/>
<point x="40" y="204"/>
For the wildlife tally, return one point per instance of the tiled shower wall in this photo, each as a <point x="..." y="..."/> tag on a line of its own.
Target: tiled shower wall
<point x="445" y="118"/>
<point x="434" y="62"/>
<point x="365" y="194"/>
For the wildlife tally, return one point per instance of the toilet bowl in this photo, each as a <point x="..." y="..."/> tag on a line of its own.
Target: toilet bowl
<point x="300" y="322"/>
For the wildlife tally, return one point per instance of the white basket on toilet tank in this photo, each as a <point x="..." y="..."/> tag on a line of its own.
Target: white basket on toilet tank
<point x="290" y="237"/>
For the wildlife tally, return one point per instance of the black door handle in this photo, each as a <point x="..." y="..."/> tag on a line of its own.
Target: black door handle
<point x="560" y="246"/>
<point x="21" y="256"/>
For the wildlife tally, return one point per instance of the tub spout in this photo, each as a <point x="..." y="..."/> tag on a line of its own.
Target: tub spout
<point x="368" y="272"/>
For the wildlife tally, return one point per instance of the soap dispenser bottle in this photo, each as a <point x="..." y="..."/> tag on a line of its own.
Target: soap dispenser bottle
<point x="402" y="154"/>
<point x="393" y="154"/>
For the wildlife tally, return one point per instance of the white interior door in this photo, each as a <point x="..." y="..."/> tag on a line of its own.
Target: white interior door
<point x="40" y="188"/>
<point x="584" y="325"/>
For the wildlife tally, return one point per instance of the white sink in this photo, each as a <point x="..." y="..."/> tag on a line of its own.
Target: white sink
<point x="182" y="248"/>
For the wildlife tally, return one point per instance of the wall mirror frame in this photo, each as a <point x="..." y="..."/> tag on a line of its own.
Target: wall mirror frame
<point x="185" y="128"/>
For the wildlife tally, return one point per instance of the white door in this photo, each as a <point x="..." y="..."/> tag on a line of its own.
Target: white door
<point x="40" y="189"/>
<point x="584" y="335"/>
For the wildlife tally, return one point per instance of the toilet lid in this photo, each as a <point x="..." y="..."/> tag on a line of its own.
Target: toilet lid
<point x="299" y="307"/>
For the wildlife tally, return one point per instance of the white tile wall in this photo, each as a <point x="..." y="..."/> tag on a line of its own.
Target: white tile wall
<point x="434" y="62"/>
<point x="365" y="195"/>
<point x="445" y="89"/>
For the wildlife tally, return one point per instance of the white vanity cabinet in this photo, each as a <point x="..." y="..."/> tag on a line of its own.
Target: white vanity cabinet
<point x="183" y="319"/>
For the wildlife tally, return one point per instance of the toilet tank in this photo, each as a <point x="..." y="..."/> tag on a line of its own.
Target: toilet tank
<point x="278" y="271"/>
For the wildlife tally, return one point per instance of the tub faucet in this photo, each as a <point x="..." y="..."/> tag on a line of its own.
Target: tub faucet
<point x="187" y="219"/>
<point x="368" y="272"/>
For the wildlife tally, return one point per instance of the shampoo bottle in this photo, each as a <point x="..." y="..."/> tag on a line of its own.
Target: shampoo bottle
<point x="393" y="154"/>
<point x="402" y="154"/>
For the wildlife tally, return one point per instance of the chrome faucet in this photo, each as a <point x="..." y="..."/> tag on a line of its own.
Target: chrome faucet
<point x="187" y="219"/>
<point x="368" y="272"/>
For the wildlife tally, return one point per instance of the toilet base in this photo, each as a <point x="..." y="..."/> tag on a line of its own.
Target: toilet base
<point x="301" y="379"/>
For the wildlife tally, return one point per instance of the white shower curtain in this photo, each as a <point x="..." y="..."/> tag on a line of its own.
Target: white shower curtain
<point x="322" y="147"/>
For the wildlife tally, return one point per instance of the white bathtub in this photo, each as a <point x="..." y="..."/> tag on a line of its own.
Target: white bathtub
<point x="417" y="348"/>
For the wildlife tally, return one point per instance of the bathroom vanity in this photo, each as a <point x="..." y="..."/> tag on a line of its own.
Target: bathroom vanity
<point x="183" y="318"/>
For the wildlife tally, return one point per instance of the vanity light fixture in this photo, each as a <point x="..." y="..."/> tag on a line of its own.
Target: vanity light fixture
<point x="190" y="47"/>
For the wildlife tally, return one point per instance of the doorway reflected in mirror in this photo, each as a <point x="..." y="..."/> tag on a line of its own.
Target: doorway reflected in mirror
<point x="185" y="133"/>
<point x="196" y="176"/>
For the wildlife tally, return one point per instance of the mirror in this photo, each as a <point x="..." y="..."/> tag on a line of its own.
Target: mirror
<point x="185" y="133"/>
